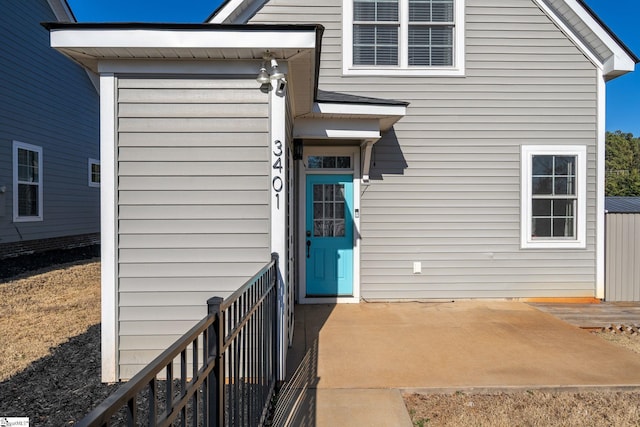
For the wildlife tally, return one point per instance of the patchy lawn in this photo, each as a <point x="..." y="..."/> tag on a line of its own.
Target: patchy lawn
<point x="50" y="366"/>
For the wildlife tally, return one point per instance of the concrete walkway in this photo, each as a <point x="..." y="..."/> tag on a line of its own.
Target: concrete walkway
<point x="350" y="363"/>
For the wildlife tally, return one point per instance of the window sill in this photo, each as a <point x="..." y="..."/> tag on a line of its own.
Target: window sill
<point x="28" y="219"/>
<point x="404" y="72"/>
<point x="553" y="244"/>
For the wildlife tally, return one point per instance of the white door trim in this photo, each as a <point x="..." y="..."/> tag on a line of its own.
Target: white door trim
<point x="354" y="151"/>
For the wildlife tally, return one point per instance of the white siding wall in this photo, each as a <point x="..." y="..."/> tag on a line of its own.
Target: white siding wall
<point x="445" y="186"/>
<point x="193" y="203"/>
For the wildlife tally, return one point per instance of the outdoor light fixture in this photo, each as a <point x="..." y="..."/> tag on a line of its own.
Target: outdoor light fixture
<point x="263" y="76"/>
<point x="274" y="73"/>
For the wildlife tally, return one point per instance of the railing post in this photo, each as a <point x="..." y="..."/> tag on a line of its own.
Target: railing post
<point x="280" y="323"/>
<point x="215" y="380"/>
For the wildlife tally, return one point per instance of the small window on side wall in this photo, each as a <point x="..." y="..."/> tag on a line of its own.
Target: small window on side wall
<point x="553" y="197"/>
<point x="27" y="182"/>
<point x="94" y="173"/>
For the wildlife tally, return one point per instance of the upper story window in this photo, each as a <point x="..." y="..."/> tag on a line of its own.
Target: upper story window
<point x="403" y="37"/>
<point x="27" y="182"/>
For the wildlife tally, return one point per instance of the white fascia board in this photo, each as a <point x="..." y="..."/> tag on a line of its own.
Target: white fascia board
<point x="227" y="10"/>
<point x="171" y="38"/>
<point x="569" y="33"/>
<point x="339" y="129"/>
<point x="619" y="63"/>
<point x="359" y="109"/>
<point x="620" y="57"/>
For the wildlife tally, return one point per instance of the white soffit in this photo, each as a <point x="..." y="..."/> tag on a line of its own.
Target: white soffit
<point x="617" y="63"/>
<point x="314" y="128"/>
<point x="359" y="109"/>
<point x="385" y="115"/>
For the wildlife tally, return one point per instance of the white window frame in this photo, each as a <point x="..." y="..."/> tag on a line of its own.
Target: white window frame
<point x="92" y="162"/>
<point x="16" y="182"/>
<point x="403" y="69"/>
<point x="527" y="153"/>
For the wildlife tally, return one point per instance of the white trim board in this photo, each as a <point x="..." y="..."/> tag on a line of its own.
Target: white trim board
<point x="600" y="185"/>
<point x="108" y="228"/>
<point x="619" y="63"/>
<point x="580" y="240"/>
<point x="111" y="38"/>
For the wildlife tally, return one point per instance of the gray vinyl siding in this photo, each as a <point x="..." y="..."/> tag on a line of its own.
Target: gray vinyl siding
<point x="445" y="184"/>
<point x="623" y="257"/>
<point x="50" y="102"/>
<point x="193" y="203"/>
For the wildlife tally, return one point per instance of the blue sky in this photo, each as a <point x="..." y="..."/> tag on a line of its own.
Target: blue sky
<point x="622" y="16"/>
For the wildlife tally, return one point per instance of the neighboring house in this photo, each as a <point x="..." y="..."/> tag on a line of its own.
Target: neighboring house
<point x="622" y="249"/>
<point x="394" y="150"/>
<point x="49" y="137"/>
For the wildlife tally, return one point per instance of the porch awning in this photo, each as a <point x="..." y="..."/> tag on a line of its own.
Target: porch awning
<point x="346" y="116"/>
<point x="341" y="116"/>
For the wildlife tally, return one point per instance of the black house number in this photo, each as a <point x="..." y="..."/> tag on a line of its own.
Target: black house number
<point x="277" y="184"/>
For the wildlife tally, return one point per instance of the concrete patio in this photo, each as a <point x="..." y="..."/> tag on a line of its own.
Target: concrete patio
<point x="350" y="363"/>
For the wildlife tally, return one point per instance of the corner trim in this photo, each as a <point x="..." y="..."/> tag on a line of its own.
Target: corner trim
<point x="109" y="285"/>
<point x="600" y="183"/>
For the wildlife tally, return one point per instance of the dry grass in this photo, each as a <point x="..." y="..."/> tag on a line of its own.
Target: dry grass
<point x="44" y="310"/>
<point x="530" y="408"/>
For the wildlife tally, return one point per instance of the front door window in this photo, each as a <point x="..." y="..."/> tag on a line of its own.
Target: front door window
<point x="328" y="210"/>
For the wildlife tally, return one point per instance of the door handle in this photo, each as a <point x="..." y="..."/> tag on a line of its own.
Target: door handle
<point x="308" y="247"/>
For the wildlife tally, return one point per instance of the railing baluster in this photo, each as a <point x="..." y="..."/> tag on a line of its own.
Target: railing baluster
<point x="132" y="409"/>
<point x="237" y="373"/>
<point x="168" y="388"/>
<point x="195" y="409"/>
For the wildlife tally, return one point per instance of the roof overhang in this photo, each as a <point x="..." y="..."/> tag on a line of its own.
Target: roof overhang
<point x="591" y="36"/>
<point x="94" y="44"/>
<point x="338" y="117"/>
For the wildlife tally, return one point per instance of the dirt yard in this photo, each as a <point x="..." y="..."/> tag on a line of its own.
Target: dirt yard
<point x="50" y="365"/>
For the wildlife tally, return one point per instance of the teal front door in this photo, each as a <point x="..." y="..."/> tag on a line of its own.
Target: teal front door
<point x="329" y="235"/>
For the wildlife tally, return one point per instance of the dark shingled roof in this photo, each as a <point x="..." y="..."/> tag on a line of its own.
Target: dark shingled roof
<point x="345" y="98"/>
<point x="622" y="204"/>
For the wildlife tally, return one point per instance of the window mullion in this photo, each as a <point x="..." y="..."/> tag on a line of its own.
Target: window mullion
<point x="403" y="40"/>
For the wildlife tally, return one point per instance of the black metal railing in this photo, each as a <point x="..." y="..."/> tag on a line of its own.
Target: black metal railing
<point x="222" y="372"/>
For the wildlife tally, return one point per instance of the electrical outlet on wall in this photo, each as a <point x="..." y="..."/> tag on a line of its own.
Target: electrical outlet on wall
<point x="417" y="267"/>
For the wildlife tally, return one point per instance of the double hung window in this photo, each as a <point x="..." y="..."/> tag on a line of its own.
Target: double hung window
<point x="94" y="173"/>
<point x="27" y="182"/>
<point x="411" y="37"/>
<point x="554" y="191"/>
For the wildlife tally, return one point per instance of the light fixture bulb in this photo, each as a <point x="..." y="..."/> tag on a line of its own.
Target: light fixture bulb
<point x="275" y="73"/>
<point x="263" y="76"/>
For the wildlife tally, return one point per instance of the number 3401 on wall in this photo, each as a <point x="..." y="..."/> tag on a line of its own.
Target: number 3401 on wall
<point x="277" y="183"/>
